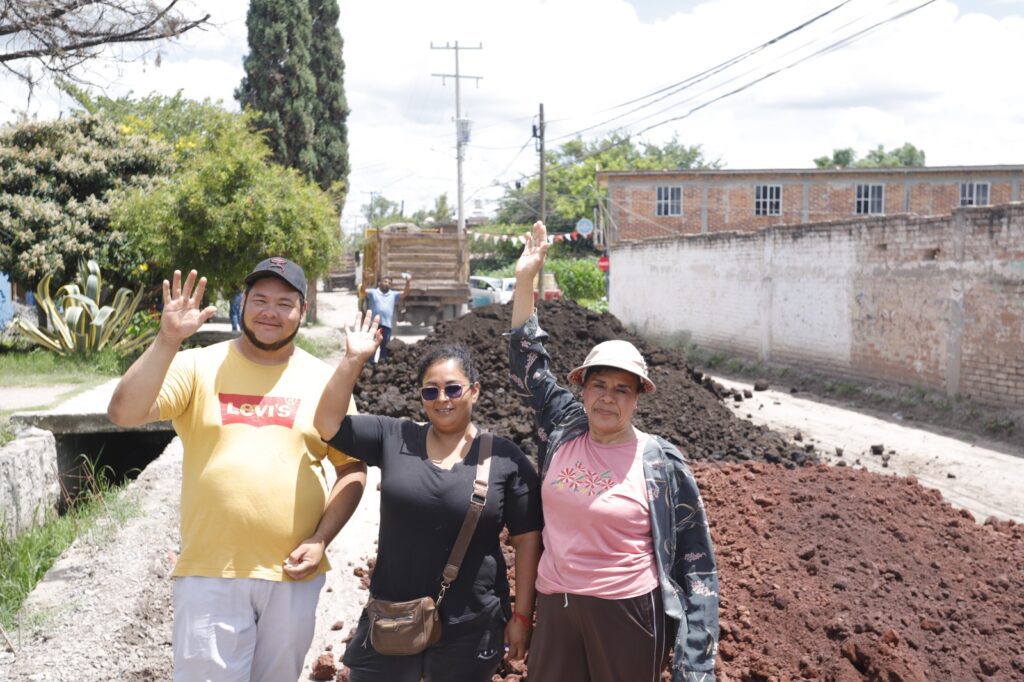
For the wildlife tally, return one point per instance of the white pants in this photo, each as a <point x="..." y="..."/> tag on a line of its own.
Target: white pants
<point x="242" y="629"/>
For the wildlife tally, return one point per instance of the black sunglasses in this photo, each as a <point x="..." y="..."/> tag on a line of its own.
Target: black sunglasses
<point x="451" y="391"/>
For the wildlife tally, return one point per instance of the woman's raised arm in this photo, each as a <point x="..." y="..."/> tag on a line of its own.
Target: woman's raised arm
<point x="527" y="268"/>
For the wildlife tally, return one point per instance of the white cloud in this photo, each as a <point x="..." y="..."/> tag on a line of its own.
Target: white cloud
<point x="937" y="79"/>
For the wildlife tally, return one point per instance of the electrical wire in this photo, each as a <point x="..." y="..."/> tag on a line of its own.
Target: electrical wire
<point x="690" y="81"/>
<point x="843" y="42"/>
<point x="827" y="49"/>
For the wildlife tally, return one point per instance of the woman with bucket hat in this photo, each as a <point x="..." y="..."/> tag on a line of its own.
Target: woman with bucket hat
<point x="627" y="572"/>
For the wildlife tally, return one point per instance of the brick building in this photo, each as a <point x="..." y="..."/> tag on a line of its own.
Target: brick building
<point x="652" y="204"/>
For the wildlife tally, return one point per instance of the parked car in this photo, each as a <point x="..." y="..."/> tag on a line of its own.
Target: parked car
<point x="508" y="288"/>
<point x="484" y="291"/>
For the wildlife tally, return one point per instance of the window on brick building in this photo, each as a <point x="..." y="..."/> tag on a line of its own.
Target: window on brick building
<point x="768" y="200"/>
<point x="670" y="201"/>
<point x="869" y="199"/>
<point x="974" y="194"/>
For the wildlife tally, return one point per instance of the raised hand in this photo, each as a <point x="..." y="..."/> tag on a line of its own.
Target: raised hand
<point x="363" y="337"/>
<point x="532" y="258"/>
<point x="182" y="316"/>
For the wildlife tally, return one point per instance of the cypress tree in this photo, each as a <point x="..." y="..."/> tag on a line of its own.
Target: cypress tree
<point x="278" y="83"/>
<point x="330" y="109"/>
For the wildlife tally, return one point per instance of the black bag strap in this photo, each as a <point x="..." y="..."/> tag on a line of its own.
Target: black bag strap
<point x="477" y="500"/>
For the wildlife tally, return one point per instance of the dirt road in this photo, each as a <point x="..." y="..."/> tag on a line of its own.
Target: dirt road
<point x="983" y="477"/>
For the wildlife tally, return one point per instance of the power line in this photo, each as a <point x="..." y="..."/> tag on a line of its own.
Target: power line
<point x="825" y="50"/>
<point x="690" y="81"/>
<point x="750" y="71"/>
<point x="843" y="42"/>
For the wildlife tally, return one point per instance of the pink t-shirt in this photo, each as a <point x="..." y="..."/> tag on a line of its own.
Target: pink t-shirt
<point x="597" y="523"/>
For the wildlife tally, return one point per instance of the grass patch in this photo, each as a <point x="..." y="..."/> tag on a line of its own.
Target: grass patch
<point x="842" y="389"/>
<point x="6" y="435"/>
<point x="999" y="426"/>
<point x="40" y="367"/>
<point x="317" y="347"/>
<point x="598" y="305"/>
<point x="95" y="515"/>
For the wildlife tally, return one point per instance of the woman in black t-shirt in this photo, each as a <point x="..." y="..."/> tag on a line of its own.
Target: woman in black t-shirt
<point x="427" y="473"/>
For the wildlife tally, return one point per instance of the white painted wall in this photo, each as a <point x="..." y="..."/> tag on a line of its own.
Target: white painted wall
<point x="933" y="302"/>
<point x="768" y="294"/>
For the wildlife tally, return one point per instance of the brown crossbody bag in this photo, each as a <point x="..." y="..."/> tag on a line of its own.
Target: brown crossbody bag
<point x="404" y="628"/>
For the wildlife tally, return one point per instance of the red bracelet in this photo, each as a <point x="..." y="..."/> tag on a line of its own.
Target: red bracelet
<point x="519" y="616"/>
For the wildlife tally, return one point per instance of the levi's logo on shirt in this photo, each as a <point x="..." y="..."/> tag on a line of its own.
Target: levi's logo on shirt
<point x="257" y="410"/>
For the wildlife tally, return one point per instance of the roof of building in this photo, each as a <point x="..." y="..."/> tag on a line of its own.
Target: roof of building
<point x="890" y="170"/>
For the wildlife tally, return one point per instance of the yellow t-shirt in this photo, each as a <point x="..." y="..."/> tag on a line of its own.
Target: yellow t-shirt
<point x="253" y="486"/>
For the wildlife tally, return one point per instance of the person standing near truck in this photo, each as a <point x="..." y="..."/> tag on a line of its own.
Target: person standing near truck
<point x="383" y="301"/>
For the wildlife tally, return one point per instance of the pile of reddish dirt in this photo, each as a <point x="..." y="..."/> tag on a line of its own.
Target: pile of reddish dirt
<point x="686" y="409"/>
<point x="844" y="575"/>
<point x="841" y="574"/>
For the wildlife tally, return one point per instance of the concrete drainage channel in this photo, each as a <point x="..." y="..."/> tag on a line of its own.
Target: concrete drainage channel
<point x="46" y="462"/>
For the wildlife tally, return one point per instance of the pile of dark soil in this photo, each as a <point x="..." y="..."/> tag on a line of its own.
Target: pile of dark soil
<point x="687" y="408"/>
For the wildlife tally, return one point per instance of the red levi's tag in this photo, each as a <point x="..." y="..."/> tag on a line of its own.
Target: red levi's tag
<point x="257" y="410"/>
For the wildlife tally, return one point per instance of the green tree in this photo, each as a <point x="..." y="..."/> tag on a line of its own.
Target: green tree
<point x="380" y="211"/>
<point x="227" y="207"/>
<point x="906" y="156"/>
<point x="60" y="181"/>
<point x="571" y="187"/>
<point x="187" y="125"/>
<point x="330" y="108"/>
<point x="443" y="213"/>
<point x="279" y="85"/>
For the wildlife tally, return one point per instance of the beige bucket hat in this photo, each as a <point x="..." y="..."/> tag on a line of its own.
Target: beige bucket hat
<point x="617" y="354"/>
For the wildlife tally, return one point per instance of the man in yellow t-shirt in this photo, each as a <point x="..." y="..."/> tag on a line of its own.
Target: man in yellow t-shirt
<point x="256" y="512"/>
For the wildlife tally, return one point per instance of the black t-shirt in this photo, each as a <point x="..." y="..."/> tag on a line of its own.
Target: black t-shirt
<point x="423" y="507"/>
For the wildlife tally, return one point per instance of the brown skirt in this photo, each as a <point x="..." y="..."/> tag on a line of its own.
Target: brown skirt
<point x="589" y="639"/>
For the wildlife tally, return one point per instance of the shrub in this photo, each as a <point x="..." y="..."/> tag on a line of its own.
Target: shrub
<point x="579" y="279"/>
<point x="79" y="325"/>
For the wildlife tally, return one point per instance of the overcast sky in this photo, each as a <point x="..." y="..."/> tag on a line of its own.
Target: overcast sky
<point x="944" y="78"/>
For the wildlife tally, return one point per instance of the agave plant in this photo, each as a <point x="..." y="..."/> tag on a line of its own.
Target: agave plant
<point x="79" y="324"/>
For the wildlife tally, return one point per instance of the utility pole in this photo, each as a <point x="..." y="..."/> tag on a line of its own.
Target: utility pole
<point x="538" y="132"/>
<point x="461" y="124"/>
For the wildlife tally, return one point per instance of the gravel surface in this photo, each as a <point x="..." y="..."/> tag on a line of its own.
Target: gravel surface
<point x="103" y="611"/>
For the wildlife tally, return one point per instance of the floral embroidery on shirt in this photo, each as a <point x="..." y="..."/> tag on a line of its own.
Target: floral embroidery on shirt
<point x="583" y="480"/>
<point x="566" y="479"/>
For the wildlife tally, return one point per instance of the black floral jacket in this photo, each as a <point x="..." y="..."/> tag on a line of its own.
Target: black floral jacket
<point x="686" y="563"/>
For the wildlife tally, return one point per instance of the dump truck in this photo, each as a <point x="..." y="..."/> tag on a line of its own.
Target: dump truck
<point x="437" y="259"/>
<point x="342" y="274"/>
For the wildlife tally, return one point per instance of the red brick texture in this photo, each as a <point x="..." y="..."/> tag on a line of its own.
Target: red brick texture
<point x="718" y="201"/>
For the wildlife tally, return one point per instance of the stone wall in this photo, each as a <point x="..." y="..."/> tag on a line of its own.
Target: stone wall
<point x="28" y="480"/>
<point x="932" y="302"/>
